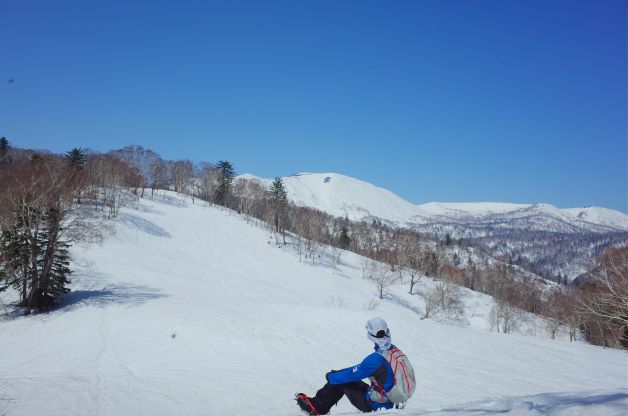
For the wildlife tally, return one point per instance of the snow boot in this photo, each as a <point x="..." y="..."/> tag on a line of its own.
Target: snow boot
<point x="306" y="405"/>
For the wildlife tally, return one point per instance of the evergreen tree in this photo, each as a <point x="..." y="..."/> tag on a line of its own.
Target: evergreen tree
<point x="277" y="192"/>
<point x="4" y="150"/>
<point x="4" y="145"/>
<point x="15" y="256"/>
<point x="227" y="174"/>
<point x="59" y="271"/>
<point x="54" y="259"/>
<point x="344" y="241"/>
<point x="15" y="268"/>
<point x="278" y="197"/>
<point x="447" y="240"/>
<point x="76" y="157"/>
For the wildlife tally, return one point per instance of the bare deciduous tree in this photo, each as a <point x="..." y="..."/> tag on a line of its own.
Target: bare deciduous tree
<point x="442" y="298"/>
<point x="209" y="182"/>
<point x="505" y="317"/>
<point x="140" y="161"/>
<point x="606" y="296"/>
<point x="158" y="174"/>
<point x="430" y="299"/>
<point x="181" y="172"/>
<point x="110" y="178"/>
<point x="380" y="274"/>
<point x="431" y="262"/>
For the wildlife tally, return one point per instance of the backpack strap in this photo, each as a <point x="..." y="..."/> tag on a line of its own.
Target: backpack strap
<point x="380" y="390"/>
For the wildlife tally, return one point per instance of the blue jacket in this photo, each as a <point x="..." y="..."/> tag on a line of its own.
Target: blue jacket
<point x="374" y="365"/>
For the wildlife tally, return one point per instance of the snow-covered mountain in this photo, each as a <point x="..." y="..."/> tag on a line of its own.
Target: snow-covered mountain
<point x="193" y="310"/>
<point x="553" y="243"/>
<point x="343" y="196"/>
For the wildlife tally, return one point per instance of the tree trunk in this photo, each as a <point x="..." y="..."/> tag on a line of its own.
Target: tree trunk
<point x="34" y="272"/>
<point x="48" y="260"/>
<point x="24" y="286"/>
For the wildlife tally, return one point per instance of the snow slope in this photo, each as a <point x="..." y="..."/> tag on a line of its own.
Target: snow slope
<point x="341" y="196"/>
<point x="191" y="310"/>
<point x="598" y="215"/>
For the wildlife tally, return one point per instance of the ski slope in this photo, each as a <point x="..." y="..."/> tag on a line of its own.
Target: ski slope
<point x="192" y="310"/>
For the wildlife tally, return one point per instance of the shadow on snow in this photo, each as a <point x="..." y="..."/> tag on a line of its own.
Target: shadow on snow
<point x="403" y="303"/>
<point x="607" y="403"/>
<point x="121" y="293"/>
<point x="143" y="225"/>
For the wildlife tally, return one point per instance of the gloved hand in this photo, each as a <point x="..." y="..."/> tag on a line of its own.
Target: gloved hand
<point x="327" y="375"/>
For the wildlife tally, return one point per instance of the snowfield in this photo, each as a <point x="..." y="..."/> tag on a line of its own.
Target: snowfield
<point x="192" y="310"/>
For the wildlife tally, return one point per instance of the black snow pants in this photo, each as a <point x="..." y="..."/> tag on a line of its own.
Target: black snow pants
<point x="330" y="394"/>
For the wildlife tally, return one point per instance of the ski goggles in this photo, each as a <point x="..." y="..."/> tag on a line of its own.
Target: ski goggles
<point x="380" y="334"/>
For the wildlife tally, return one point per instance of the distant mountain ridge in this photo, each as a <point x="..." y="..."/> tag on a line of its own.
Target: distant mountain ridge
<point x="344" y="196"/>
<point x="553" y="243"/>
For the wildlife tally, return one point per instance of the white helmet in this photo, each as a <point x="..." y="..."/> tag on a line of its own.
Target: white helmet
<point x="378" y="332"/>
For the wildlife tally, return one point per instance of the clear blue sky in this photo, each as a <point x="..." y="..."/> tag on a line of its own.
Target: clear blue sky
<point x="443" y="100"/>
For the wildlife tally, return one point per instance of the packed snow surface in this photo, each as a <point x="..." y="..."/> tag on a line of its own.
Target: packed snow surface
<point x="192" y="310"/>
<point x="344" y="196"/>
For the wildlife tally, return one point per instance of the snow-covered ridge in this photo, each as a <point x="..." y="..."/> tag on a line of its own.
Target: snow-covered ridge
<point x="344" y="196"/>
<point x="341" y="196"/>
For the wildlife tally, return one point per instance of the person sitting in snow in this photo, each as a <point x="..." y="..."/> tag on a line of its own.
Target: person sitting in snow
<point x="388" y="369"/>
